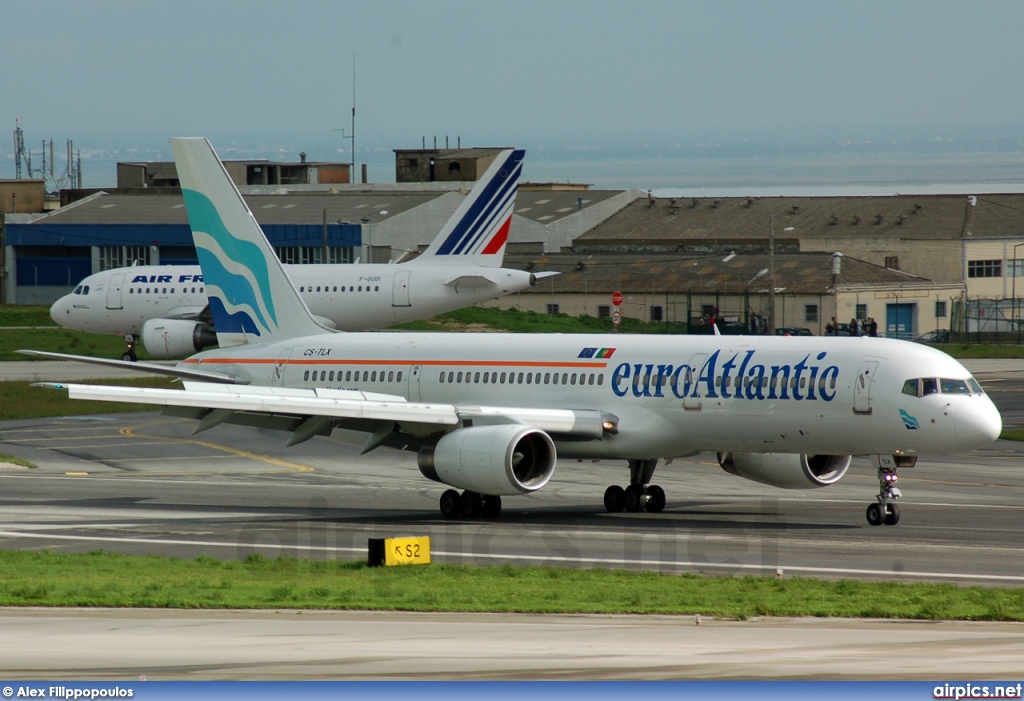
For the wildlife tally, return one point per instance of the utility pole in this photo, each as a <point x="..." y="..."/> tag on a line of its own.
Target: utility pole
<point x="771" y="274"/>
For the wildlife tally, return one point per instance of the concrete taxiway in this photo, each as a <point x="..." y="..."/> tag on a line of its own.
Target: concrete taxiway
<point x="128" y="644"/>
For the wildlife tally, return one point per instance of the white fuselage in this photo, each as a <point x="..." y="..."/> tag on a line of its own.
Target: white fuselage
<point x="353" y="297"/>
<point x="669" y="395"/>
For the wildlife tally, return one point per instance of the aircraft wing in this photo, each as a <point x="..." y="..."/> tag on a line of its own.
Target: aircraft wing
<point x="151" y="368"/>
<point x="390" y="419"/>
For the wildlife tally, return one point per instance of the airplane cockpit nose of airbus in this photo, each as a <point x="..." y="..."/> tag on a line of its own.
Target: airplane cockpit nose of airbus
<point x="60" y="309"/>
<point x="978" y="422"/>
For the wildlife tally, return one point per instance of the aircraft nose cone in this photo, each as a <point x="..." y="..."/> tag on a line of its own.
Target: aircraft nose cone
<point x="59" y="310"/>
<point x="978" y="423"/>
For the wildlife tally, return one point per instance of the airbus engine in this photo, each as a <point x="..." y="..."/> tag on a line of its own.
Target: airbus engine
<point x="493" y="460"/>
<point x="173" y="338"/>
<point x="786" y="470"/>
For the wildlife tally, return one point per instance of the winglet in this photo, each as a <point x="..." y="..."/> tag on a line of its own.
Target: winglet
<point x="251" y="298"/>
<point x="479" y="228"/>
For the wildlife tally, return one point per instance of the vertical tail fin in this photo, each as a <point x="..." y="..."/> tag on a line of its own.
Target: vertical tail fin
<point x="478" y="230"/>
<point x="251" y="298"/>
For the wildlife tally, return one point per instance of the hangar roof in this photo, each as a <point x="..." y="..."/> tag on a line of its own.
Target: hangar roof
<point x="665" y="221"/>
<point x="798" y="273"/>
<point x="348" y="205"/>
<point x="105" y="208"/>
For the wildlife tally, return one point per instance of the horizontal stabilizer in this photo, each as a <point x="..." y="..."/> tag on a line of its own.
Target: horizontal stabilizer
<point x="471" y="282"/>
<point x="151" y="368"/>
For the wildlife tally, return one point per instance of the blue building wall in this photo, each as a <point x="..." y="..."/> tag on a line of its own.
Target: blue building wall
<point x="52" y="258"/>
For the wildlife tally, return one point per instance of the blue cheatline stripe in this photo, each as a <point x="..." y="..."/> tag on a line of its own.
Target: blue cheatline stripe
<point x="486" y="218"/>
<point x="485" y="202"/>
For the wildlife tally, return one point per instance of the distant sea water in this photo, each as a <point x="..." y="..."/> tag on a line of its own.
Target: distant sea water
<point x="669" y="173"/>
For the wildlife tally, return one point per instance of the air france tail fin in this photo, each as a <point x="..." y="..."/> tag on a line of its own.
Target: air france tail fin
<point x="251" y="298"/>
<point x="478" y="230"/>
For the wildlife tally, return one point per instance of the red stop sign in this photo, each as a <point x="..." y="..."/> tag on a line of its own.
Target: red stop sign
<point x="616" y="298"/>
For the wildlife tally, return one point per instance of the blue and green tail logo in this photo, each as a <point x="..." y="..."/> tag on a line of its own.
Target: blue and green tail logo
<point x="235" y="272"/>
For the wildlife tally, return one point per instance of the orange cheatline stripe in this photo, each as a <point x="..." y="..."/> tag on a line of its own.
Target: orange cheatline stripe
<point x="403" y="363"/>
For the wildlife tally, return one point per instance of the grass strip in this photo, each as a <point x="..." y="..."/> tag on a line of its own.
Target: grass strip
<point x="34" y="578"/>
<point x="11" y="460"/>
<point x="22" y="401"/>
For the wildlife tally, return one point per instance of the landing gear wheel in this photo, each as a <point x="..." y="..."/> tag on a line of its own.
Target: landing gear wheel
<point x="129" y="356"/>
<point x="472" y="504"/>
<point x="491" y="506"/>
<point x="451" y="504"/>
<point x="635" y="498"/>
<point x="892" y="514"/>
<point x="614" y="499"/>
<point x="875" y="514"/>
<point x="655" y="499"/>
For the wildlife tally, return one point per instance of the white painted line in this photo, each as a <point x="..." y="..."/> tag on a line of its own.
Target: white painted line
<point x="611" y="562"/>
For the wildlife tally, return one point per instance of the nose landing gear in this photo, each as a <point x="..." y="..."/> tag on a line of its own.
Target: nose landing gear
<point x="885" y="511"/>
<point x="129" y="354"/>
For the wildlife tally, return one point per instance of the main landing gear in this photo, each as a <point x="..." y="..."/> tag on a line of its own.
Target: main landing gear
<point x="639" y="495"/>
<point x="129" y="354"/>
<point x="885" y="511"/>
<point x="469" y="505"/>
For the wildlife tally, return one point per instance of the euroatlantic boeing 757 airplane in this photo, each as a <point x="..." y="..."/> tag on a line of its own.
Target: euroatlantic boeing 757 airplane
<point x="490" y="413"/>
<point x="166" y="306"/>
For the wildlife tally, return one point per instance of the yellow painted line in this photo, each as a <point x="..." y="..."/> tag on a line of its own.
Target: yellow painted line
<point x="129" y="431"/>
<point x="77" y="474"/>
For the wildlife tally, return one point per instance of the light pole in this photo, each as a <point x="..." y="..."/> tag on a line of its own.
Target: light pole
<point x="1015" y="307"/>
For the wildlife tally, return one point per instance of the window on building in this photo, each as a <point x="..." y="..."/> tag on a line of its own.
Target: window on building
<point x="811" y="312"/>
<point x="120" y="256"/>
<point x="1015" y="268"/>
<point x="656" y="313"/>
<point x="552" y="309"/>
<point x="892" y="262"/>
<point x="603" y="311"/>
<point x="862" y="311"/>
<point x="940" y="309"/>
<point x="984" y="268"/>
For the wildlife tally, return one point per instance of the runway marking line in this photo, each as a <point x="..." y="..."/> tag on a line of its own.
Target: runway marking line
<point x="616" y="562"/>
<point x="129" y="431"/>
<point x="77" y="473"/>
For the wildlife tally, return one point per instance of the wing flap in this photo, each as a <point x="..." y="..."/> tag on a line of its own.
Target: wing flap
<point x="271" y="400"/>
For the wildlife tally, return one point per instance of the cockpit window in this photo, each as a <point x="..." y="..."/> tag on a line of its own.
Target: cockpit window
<point x="954" y="387"/>
<point x="78" y="290"/>
<point x="930" y="385"/>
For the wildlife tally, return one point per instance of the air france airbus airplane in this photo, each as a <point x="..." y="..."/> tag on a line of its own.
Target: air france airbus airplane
<point x="490" y="413"/>
<point x="167" y="307"/>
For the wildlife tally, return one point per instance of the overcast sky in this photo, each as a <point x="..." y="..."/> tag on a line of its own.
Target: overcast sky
<point x="506" y="73"/>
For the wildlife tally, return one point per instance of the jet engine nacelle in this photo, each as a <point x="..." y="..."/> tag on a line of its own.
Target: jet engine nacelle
<point x="173" y="338"/>
<point x="786" y="470"/>
<point x="492" y="460"/>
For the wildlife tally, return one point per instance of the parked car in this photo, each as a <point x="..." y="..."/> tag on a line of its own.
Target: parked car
<point x="792" y="331"/>
<point x="936" y="336"/>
